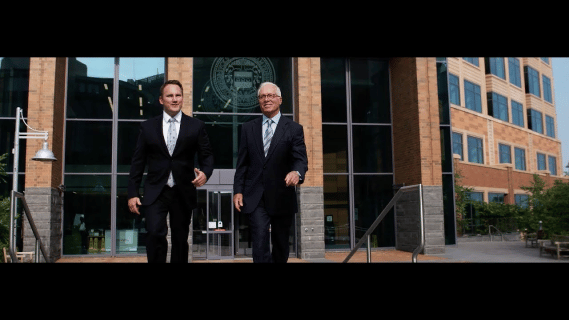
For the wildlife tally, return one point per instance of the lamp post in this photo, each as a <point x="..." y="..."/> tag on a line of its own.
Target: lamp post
<point x="42" y="155"/>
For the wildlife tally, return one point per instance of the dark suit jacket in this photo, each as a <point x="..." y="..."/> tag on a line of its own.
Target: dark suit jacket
<point x="256" y="175"/>
<point x="151" y="150"/>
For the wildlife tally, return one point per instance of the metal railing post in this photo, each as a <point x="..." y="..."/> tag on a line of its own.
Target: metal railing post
<point x="367" y="235"/>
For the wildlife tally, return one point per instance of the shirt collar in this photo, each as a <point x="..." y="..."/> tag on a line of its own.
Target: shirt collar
<point x="275" y="118"/>
<point x="167" y="117"/>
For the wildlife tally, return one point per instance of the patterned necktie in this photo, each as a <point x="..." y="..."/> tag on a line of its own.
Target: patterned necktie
<point x="172" y="136"/>
<point x="268" y="136"/>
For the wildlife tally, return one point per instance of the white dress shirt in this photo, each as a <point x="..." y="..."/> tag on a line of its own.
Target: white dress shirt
<point x="166" y="125"/>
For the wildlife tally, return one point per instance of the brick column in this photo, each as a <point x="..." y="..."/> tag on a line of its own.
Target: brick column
<point x="308" y="104"/>
<point x="182" y="69"/>
<point x="45" y="113"/>
<point x="417" y="145"/>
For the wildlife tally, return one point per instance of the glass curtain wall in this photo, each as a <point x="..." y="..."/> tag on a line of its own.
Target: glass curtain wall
<point x="14" y="88"/>
<point x="107" y="99"/>
<point x="224" y="97"/>
<point x="446" y="152"/>
<point x="357" y="144"/>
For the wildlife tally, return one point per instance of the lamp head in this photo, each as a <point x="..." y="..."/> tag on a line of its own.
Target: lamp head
<point x="44" y="154"/>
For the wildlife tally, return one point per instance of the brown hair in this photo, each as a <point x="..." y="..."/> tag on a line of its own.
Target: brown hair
<point x="176" y="82"/>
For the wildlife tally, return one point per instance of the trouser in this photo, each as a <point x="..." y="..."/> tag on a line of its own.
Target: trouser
<point x="170" y="201"/>
<point x="260" y="222"/>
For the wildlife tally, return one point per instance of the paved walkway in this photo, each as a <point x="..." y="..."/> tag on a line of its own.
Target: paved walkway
<point x="497" y="251"/>
<point x="477" y="252"/>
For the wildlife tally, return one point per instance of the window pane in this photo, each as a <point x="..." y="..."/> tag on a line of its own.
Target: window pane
<point x="371" y="195"/>
<point x="87" y="207"/>
<point x="230" y="84"/>
<point x="335" y="147"/>
<point x="14" y="85"/>
<point x="88" y="146"/>
<point x="504" y="153"/>
<point x="457" y="147"/>
<point x="446" y="145"/>
<point x="224" y="132"/>
<point x="139" y="87"/>
<point x="130" y="230"/>
<point x="552" y="165"/>
<point x="454" y="89"/>
<point x="475" y="152"/>
<point x="127" y="139"/>
<point x="472" y="96"/>
<point x="370" y="91"/>
<point x="336" y="212"/>
<point x="333" y="75"/>
<point x="90" y="88"/>
<point x="372" y="149"/>
<point x="496" y="197"/>
<point x="520" y="155"/>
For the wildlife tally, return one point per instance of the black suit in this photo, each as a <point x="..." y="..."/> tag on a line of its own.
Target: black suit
<point x="159" y="199"/>
<point x="261" y="180"/>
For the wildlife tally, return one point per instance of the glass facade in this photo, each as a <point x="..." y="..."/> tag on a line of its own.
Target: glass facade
<point x="224" y="97"/>
<point x="358" y="168"/>
<point x="14" y="89"/>
<point x="107" y="99"/>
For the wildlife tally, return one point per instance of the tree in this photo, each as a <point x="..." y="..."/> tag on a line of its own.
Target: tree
<point x="4" y="210"/>
<point x="550" y="206"/>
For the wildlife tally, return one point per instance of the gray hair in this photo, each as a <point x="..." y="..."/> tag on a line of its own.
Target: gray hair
<point x="266" y="83"/>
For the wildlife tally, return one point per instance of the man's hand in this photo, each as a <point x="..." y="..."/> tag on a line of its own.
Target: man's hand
<point x="238" y="201"/>
<point x="133" y="204"/>
<point x="292" y="179"/>
<point x="200" y="179"/>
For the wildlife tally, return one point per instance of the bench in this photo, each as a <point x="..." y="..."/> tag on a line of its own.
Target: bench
<point x="555" y="246"/>
<point x="533" y="238"/>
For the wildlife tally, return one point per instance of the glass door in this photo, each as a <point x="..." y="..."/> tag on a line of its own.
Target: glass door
<point x="213" y="225"/>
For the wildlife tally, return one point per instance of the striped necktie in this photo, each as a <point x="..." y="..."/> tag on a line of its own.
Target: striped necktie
<point x="268" y="136"/>
<point x="172" y="136"/>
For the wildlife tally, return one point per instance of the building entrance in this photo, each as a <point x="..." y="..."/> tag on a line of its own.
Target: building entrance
<point x="219" y="231"/>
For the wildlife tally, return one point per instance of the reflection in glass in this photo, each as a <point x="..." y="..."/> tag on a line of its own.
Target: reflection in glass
<point x="87" y="207"/>
<point x="335" y="146"/>
<point x="224" y="133"/>
<point x="90" y="88"/>
<point x="130" y="227"/>
<point x="370" y="91"/>
<point x="229" y="84"/>
<point x="127" y="139"/>
<point x="371" y="195"/>
<point x="139" y="87"/>
<point x="14" y="86"/>
<point x="7" y="130"/>
<point x="88" y="146"/>
<point x="336" y="212"/>
<point x="333" y="75"/>
<point x="372" y="149"/>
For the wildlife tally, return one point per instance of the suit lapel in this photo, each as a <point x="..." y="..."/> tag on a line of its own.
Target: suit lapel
<point x="160" y="133"/>
<point x="258" y="135"/>
<point x="184" y="131"/>
<point x="279" y="132"/>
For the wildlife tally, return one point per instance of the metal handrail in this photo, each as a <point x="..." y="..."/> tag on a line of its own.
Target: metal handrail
<point x="490" y="232"/>
<point x="366" y="236"/>
<point x="39" y="244"/>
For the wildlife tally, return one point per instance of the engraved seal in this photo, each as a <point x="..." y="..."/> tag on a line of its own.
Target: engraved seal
<point x="235" y="80"/>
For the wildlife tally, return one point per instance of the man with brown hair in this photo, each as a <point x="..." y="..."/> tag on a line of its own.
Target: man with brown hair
<point x="167" y="144"/>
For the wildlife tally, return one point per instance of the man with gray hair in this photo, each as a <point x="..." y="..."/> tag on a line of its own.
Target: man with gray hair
<point x="272" y="160"/>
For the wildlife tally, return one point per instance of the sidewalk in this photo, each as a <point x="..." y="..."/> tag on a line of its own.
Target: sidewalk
<point x="477" y="252"/>
<point x="496" y="252"/>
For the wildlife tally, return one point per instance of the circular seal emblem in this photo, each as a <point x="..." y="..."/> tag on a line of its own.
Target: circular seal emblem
<point x="235" y="80"/>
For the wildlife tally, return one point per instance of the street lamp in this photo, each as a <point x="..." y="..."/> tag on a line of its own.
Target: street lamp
<point x="42" y="155"/>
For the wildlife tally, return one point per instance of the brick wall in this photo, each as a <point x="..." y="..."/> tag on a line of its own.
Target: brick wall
<point x="416" y="132"/>
<point x="45" y="113"/>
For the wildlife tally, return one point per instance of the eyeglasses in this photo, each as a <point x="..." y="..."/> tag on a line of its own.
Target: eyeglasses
<point x="269" y="96"/>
